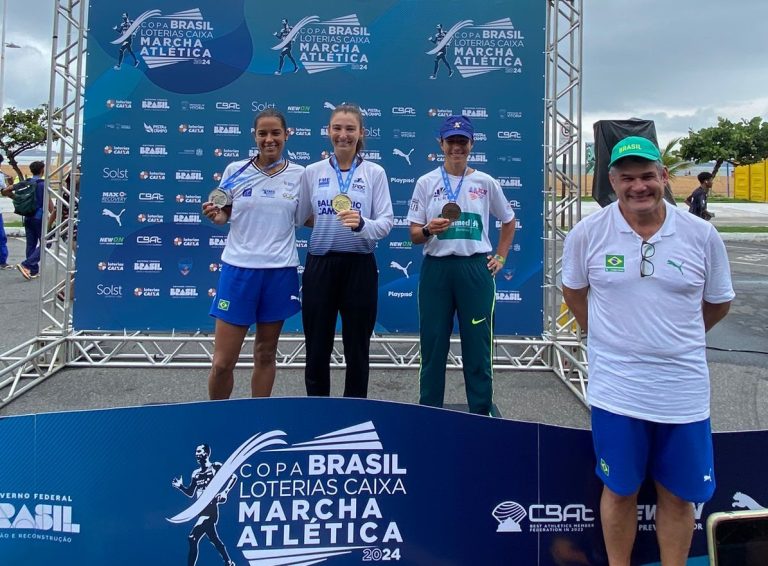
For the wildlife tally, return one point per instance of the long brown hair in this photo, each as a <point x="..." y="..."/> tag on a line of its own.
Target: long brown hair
<point x="355" y="110"/>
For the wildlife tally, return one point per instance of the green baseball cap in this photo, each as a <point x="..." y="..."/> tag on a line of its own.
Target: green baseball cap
<point x="635" y="146"/>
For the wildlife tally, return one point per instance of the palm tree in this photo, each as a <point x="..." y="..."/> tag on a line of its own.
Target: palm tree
<point x="671" y="159"/>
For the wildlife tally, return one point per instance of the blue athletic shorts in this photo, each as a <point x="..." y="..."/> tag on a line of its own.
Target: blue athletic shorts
<point x="246" y="295"/>
<point x="678" y="456"/>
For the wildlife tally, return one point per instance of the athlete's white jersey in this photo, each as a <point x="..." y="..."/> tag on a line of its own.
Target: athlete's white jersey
<point x="262" y="231"/>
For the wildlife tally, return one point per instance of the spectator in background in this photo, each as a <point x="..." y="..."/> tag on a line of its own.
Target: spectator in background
<point x="697" y="201"/>
<point x="3" y="237"/>
<point x="33" y="224"/>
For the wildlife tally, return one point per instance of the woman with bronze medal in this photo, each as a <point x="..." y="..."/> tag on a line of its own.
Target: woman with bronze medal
<point x="450" y="214"/>
<point x="259" y="280"/>
<point x="346" y="200"/>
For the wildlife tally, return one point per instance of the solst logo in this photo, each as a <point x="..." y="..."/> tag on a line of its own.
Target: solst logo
<point x="114" y="174"/>
<point x="109" y="291"/>
<point x="257" y="106"/>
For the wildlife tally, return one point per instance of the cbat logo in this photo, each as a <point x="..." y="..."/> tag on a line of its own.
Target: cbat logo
<point x="543" y="517"/>
<point x="152" y="197"/>
<point x="403" y="111"/>
<point x="614" y="262"/>
<point x="228" y="106"/>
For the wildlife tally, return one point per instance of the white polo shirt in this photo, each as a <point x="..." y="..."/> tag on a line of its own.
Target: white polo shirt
<point x="262" y="231"/>
<point x="480" y="196"/>
<point x="646" y="347"/>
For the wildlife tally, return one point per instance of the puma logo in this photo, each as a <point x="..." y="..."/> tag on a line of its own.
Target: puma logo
<point x="329" y="106"/>
<point x="395" y="265"/>
<point x="678" y="266"/>
<point x="107" y="212"/>
<point x="406" y="156"/>
<point x="744" y="501"/>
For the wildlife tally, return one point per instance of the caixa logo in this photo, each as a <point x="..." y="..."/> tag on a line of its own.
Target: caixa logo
<point x="543" y="517"/>
<point x="109" y="291"/>
<point x="149" y="240"/>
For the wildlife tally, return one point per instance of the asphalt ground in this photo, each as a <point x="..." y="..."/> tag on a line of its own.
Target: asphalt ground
<point x="738" y="361"/>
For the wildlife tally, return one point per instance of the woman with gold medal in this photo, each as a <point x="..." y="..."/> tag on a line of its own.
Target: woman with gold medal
<point x="450" y="213"/>
<point x="346" y="200"/>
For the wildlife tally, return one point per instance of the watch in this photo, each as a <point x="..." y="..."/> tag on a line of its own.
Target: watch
<point x="426" y="232"/>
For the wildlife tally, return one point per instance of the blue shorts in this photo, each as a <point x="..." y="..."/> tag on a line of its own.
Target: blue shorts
<point x="246" y="295"/>
<point x="678" y="456"/>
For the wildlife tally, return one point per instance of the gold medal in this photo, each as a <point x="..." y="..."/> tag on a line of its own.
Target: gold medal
<point x="219" y="198"/>
<point x="451" y="211"/>
<point x="341" y="202"/>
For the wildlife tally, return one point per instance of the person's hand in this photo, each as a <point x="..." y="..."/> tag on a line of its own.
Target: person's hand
<point x="221" y="498"/>
<point x="176" y="482"/>
<point x="214" y="213"/>
<point x="438" y="225"/>
<point x="495" y="264"/>
<point x="349" y="218"/>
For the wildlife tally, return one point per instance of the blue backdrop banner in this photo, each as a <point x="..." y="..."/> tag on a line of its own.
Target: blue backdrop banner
<point x="350" y="482"/>
<point x="171" y="93"/>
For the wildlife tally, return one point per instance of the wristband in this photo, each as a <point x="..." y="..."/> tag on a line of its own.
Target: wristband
<point x="499" y="258"/>
<point x="426" y="232"/>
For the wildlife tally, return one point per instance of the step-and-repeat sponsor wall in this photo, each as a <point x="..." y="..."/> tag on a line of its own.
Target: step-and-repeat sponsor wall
<point x="171" y="92"/>
<point x="350" y="482"/>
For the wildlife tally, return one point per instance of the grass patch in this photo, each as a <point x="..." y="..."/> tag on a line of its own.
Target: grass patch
<point x="12" y="224"/>
<point x="743" y="229"/>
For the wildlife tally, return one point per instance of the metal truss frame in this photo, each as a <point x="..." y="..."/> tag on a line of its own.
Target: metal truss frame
<point x="57" y="345"/>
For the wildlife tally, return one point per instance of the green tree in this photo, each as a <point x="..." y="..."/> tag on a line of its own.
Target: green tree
<point x="672" y="160"/>
<point x="22" y="130"/>
<point x="738" y="143"/>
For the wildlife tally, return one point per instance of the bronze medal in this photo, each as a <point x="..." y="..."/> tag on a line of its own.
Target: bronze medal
<point x="451" y="211"/>
<point x="219" y="198"/>
<point x="341" y="202"/>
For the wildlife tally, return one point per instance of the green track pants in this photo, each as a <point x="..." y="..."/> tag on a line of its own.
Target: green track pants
<point x="463" y="286"/>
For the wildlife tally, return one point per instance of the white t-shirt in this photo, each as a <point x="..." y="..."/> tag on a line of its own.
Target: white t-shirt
<point x="262" y="232"/>
<point x="369" y="191"/>
<point x="480" y="196"/>
<point x="646" y="346"/>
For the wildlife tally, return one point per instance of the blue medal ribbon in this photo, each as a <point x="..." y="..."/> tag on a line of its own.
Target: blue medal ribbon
<point x="452" y="196"/>
<point x="344" y="183"/>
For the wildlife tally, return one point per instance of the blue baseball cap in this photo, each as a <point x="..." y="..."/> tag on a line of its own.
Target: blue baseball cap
<point x="457" y="126"/>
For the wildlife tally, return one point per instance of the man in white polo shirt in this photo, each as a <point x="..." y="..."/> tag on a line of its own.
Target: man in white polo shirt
<point x="646" y="281"/>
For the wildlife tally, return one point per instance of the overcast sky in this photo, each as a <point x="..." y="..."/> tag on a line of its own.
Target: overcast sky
<point x="680" y="63"/>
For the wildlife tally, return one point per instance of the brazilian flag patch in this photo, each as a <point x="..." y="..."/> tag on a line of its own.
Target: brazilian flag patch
<point x="614" y="262"/>
<point x="223" y="305"/>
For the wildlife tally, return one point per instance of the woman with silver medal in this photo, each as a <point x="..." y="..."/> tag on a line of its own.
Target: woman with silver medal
<point x="346" y="200"/>
<point x="450" y="213"/>
<point x="259" y="282"/>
